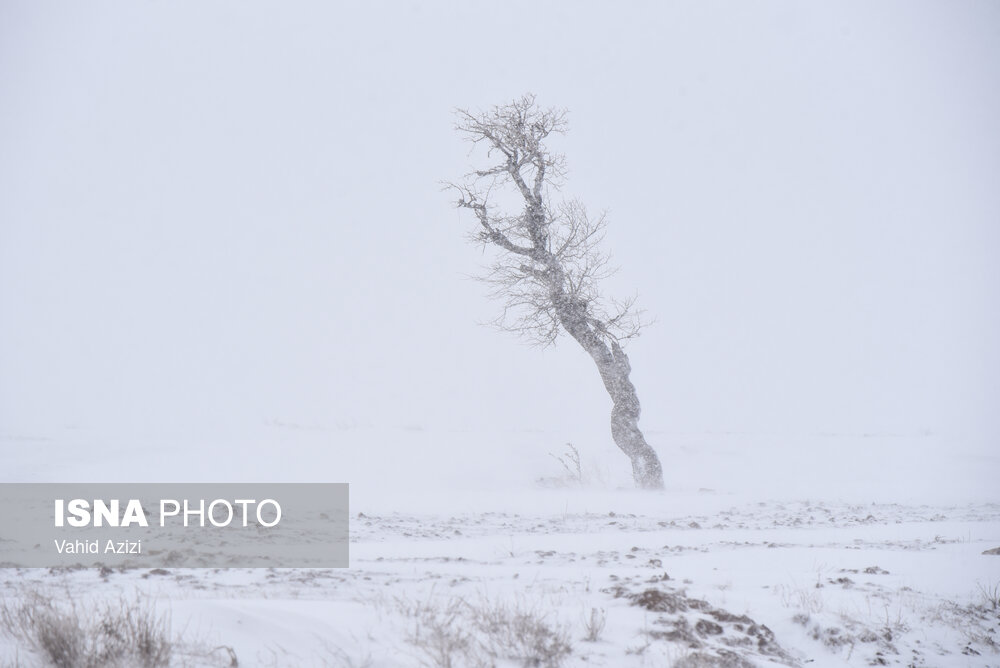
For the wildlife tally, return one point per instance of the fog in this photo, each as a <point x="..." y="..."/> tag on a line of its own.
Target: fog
<point x="219" y="216"/>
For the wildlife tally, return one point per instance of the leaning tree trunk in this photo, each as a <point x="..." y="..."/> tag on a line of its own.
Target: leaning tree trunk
<point x="646" y="469"/>
<point x="614" y="367"/>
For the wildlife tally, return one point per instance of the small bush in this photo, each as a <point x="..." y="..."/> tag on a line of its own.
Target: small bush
<point x="572" y="475"/>
<point x="455" y="632"/>
<point x="521" y="633"/>
<point x="439" y="632"/>
<point x="990" y="595"/>
<point x="124" y="635"/>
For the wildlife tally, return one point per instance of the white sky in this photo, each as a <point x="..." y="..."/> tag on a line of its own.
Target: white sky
<point x="217" y="214"/>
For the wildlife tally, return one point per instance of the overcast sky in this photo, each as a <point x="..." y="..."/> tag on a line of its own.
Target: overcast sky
<point x="220" y="214"/>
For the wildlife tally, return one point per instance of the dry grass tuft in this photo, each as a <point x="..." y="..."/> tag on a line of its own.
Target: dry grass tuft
<point x="455" y="632"/>
<point x="126" y="635"/>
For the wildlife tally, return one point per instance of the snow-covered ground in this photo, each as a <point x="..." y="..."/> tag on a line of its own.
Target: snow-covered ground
<point x="828" y="550"/>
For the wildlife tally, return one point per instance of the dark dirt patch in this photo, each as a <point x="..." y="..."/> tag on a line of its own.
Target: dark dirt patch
<point x="721" y="637"/>
<point x="724" y="659"/>
<point x="875" y="570"/>
<point x="728" y="617"/>
<point x="707" y="628"/>
<point x="658" y="600"/>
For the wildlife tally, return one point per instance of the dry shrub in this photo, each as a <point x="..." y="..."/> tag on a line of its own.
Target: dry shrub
<point x="126" y="635"/>
<point x="455" y="632"/>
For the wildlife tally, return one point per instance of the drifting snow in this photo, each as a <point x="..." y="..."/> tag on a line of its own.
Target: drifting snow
<point x="746" y="557"/>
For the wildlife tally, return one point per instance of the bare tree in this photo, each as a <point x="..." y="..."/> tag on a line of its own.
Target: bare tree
<point x="549" y="264"/>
